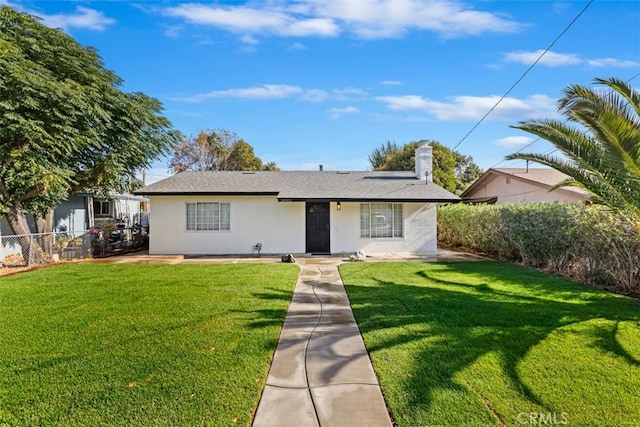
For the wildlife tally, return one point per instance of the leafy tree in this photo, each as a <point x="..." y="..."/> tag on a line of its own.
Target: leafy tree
<point x="242" y="158"/>
<point x="65" y="126"/>
<point x="270" y="166"/>
<point x="216" y="150"/>
<point x="402" y="159"/>
<point x="380" y="156"/>
<point x="466" y="172"/>
<point x="197" y="153"/>
<point x="451" y="170"/>
<point x="599" y="143"/>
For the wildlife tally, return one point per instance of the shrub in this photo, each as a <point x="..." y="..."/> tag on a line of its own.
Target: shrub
<point x="589" y="243"/>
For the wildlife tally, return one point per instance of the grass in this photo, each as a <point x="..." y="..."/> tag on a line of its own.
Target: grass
<point x="490" y="343"/>
<point x="138" y="345"/>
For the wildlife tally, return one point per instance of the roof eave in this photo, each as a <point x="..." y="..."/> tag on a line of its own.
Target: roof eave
<point x="367" y="200"/>
<point x="207" y="193"/>
<point x="486" y="176"/>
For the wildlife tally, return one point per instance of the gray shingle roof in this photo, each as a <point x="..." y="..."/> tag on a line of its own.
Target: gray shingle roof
<point x="305" y="185"/>
<point x="544" y="177"/>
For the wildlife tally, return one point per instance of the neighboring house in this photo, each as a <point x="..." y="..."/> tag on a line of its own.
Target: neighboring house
<point x="317" y="212"/>
<point x="515" y="185"/>
<point x="125" y="209"/>
<point x="81" y="212"/>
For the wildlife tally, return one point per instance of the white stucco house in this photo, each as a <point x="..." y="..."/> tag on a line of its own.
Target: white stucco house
<point x="310" y="212"/>
<point x="522" y="185"/>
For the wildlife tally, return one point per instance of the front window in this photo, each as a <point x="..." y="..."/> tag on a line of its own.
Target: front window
<point x="101" y="208"/>
<point x="205" y="216"/>
<point x="378" y="220"/>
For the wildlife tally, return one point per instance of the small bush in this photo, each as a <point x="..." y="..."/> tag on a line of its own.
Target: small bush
<point x="588" y="243"/>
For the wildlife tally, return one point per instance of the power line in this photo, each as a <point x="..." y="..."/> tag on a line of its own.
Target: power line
<point x="538" y="139"/>
<point x="524" y="74"/>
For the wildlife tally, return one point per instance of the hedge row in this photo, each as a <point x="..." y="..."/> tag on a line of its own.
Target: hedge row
<point x="590" y="244"/>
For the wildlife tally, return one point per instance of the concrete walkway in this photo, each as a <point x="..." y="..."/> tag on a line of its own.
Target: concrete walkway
<point x="321" y="374"/>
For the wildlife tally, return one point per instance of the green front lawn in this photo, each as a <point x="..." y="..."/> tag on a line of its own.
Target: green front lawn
<point x="490" y="343"/>
<point x="95" y="344"/>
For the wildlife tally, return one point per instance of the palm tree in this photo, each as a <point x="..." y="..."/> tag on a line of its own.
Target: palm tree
<point x="600" y="143"/>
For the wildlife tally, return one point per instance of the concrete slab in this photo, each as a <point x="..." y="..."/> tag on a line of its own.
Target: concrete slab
<point x="350" y="405"/>
<point x="288" y="368"/>
<point x="302" y="317"/>
<point x="337" y="315"/>
<point x="143" y="257"/>
<point x="305" y="316"/>
<point x="285" y="407"/>
<point x="329" y="292"/>
<point x="339" y="359"/>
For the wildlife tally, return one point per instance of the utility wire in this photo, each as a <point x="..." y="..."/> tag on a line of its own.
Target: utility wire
<point x="538" y="139"/>
<point x="525" y="73"/>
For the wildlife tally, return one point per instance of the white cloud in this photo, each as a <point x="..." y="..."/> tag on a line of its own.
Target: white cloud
<point x="205" y="41"/>
<point x="83" y="17"/>
<point x="391" y="83"/>
<point x="239" y="18"/>
<point x="243" y="19"/>
<point x="553" y="59"/>
<point x="392" y="18"/>
<point x="346" y="110"/>
<point x="405" y="102"/>
<point x="256" y="92"/>
<point x="514" y="141"/>
<point x="297" y="46"/>
<point x="327" y="18"/>
<point x="311" y="27"/>
<point x="473" y="107"/>
<point x="173" y="31"/>
<point x="278" y="91"/>
<point x="560" y="7"/>
<point x="349" y="93"/>
<point x="550" y="59"/>
<point x="338" y="112"/>
<point x="249" y="39"/>
<point x="612" y="62"/>
<point x="315" y="95"/>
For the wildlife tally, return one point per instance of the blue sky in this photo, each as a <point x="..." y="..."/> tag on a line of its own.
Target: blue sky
<point x="326" y="82"/>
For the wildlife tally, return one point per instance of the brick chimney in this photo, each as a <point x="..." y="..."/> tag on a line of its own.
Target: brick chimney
<point x="424" y="162"/>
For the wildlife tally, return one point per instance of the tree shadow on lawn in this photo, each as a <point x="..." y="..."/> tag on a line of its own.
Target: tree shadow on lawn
<point x="269" y="316"/>
<point x="449" y="324"/>
<point x="607" y="339"/>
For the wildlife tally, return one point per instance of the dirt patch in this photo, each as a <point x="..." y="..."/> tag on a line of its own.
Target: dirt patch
<point x="9" y="270"/>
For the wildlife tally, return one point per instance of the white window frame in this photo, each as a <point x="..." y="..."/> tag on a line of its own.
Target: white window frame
<point x="207" y="216"/>
<point x="388" y="228"/>
<point x="98" y="208"/>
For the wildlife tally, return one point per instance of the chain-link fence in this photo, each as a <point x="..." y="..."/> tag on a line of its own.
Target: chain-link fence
<point x="33" y="249"/>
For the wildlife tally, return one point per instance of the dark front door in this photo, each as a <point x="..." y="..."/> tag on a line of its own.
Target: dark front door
<point x="318" y="228"/>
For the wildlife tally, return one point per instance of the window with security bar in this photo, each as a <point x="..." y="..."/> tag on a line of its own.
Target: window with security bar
<point x="381" y="220"/>
<point x="208" y="216"/>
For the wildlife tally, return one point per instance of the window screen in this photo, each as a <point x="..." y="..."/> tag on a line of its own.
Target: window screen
<point x="205" y="216"/>
<point x="380" y="220"/>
